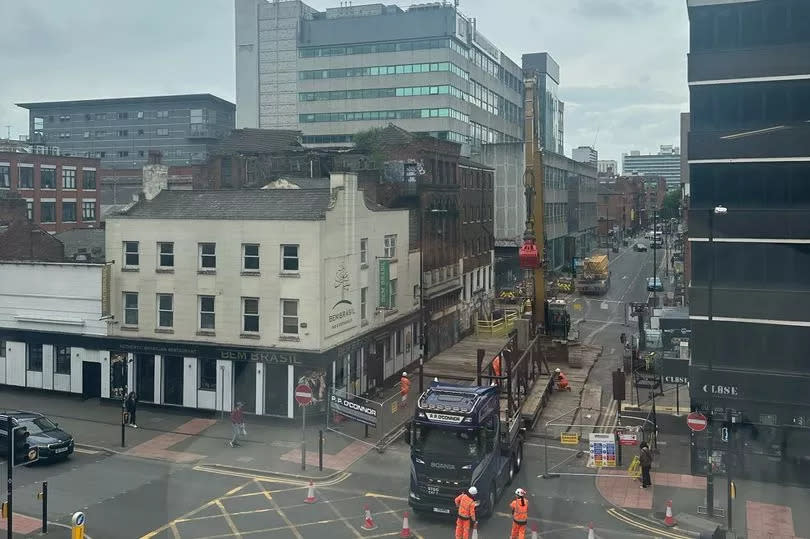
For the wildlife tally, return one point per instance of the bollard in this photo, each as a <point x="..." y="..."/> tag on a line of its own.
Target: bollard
<point x="320" y="450"/>
<point x="77" y="530"/>
<point x="124" y="415"/>
<point x="44" y="497"/>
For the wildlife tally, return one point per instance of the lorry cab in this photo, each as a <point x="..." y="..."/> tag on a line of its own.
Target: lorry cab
<point x="457" y="440"/>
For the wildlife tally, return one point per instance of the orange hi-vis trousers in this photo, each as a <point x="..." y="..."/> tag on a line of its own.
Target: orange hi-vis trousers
<point x="462" y="528"/>
<point x="518" y="530"/>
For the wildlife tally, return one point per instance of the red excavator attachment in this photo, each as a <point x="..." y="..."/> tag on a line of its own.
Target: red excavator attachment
<point x="529" y="256"/>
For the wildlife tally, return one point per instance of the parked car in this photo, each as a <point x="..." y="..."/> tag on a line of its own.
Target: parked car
<point x="654" y="284"/>
<point x="640" y="247"/>
<point x="53" y="442"/>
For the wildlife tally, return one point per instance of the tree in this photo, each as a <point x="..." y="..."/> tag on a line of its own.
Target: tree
<point x="671" y="206"/>
<point x="368" y="142"/>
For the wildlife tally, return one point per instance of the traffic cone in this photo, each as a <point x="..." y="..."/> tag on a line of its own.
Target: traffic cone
<point x="534" y="531"/>
<point x="368" y="522"/>
<point x="475" y="531"/>
<point x="669" y="520"/>
<point x="310" y="494"/>
<point x="406" y="528"/>
<point x="590" y="531"/>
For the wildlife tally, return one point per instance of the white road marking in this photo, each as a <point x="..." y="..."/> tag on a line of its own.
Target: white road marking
<point x="86" y="451"/>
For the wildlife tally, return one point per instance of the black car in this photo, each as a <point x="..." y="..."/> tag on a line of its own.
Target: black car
<point x="53" y="442"/>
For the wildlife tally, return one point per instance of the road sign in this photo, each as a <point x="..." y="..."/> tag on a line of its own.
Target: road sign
<point x="303" y="395"/>
<point x="602" y="450"/>
<point x="697" y="421"/>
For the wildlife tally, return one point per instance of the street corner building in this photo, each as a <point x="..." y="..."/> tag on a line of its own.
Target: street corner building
<point x="749" y="228"/>
<point x="213" y="297"/>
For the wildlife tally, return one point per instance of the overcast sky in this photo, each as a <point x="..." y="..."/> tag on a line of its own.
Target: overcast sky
<point x="622" y="62"/>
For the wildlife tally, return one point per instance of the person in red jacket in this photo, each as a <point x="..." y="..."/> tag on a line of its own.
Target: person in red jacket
<point x="237" y="424"/>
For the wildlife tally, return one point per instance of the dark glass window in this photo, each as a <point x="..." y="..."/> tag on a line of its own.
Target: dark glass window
<point x="35" y="357"/>
<point x="62" y="360"/>
<point x="68" y="212"/>
<point x="208" y="374"/>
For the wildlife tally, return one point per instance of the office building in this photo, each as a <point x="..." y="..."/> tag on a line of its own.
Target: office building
<point x="61" y="193"/>
<point x="666" y="163"/>
<point x="333" y="73"/>
<point x="749" y="225"/>
<point x="122" y="131"/>
<point x="586" y="154"/>
<point x="607" y="168"/>
<point x="546" y="72"/>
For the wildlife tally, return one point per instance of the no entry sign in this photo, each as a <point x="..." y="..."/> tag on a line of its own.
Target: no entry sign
<point x="303" y="394"/>
<point x="696" y="421"/>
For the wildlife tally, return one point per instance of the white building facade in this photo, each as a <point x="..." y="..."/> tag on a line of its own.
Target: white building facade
<point x="51" y="314"/>
<point x="241" y="295"/>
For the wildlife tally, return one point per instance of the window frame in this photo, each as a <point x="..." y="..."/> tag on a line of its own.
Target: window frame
<point x="89" y="180"/>
<point x="69" y="179"/>
<point x="28" y="176"/>
<point x="201" y="256"/>
<point x="125" y="309"/>
<point x="364" y="304"/>
<point x="65" y="205"/>
<point x="246" y="257"/>
<point x="5" y="176"/>
<point x="51" y="174"/>
<point x="28" y="348"/>
<point x="127" y="254"/>
<point x="285" y="257"/>
<point x="390" y="245"/>
<point x="88" y="205"/>
<point x="392" y="293"/>
<point x="204" y="364"/>
<point x="42" y="205"/>
<point x="283" y="318"/>
<point x="256" y="315"/>
<point x="202" y="314"/>
<point x="61" y="357"/>
<point x="364" y="251"/>
<point x="161" y="254"/>
<point x="161" y="310"/>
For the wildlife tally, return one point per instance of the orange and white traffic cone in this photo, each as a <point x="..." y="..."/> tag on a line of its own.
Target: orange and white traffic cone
<point x="368" y="522"/>
<point x="310" y="494"/>
<point x="475" y="531"/>
<point x="534" y="531"/>
<point x="669" y="520"/>
<point x="406" y="528"/>
<point x="590" y="531"/>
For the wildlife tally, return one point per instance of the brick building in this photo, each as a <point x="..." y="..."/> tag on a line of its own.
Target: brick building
<point x="620" y="203"/>
<point x="61" y="192"/>
<point x="20" y="239"/>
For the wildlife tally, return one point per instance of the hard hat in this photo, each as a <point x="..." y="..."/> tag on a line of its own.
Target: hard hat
<point x="404" y="373"/>
<point x="557" y="370"/>
<point x="473" y="491"/>
<point x="520" y="492"/>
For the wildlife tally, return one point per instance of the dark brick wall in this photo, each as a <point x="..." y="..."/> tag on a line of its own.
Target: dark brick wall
<point x="21" y="240"/>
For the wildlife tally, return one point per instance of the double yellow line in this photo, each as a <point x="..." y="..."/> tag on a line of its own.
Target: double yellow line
<point x="656" y="531"/>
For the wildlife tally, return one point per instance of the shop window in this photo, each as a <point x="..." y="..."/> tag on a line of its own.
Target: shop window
<point x="250" y="315"/>
<point x="165" y="255"/>
<point x="399" y="342"/>
<point x="208" y="256"/>
<point x="165" y="304"/>
<point x="131" y="256"/>
<point x="34" y="357"/>
<point x="289" y="316"/>
<point x="250" y="257"/>
<point x="62" y="360"/>
<point x="2" y="348"/>
<point x="207" y="374"/>
<point x="130" y="308"/>
<point x="289" y="258"/>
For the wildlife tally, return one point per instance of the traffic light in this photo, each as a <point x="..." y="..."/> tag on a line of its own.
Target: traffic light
<point x="24" y="453"/>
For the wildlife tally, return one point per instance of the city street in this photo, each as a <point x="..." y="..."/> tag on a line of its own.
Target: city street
<point x="127" y="496"/>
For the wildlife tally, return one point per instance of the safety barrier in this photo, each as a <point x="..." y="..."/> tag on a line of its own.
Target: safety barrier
<point x="498" y="326"/>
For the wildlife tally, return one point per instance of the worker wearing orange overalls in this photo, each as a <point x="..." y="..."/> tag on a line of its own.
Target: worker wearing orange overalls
<point x="520" y="514"/>
<point x="562" y="381"/>
<point x="404" y="386"/>
<point x="466" y="512"/>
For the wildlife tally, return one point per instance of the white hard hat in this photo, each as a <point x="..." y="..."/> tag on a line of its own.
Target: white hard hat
<point x="404" y="373"/>
<point x="557" y="370"/>
<point x="473" y="491"/>
<point x="520" y="492"/>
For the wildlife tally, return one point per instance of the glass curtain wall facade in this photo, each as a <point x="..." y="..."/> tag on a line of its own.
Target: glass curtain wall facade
<point x="749" y="152"/>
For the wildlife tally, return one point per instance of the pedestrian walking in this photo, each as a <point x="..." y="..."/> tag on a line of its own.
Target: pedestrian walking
<point x="237" y="424"/>
<point x="466" y="512"/>
<point x="404" y="386"/>
<point x="645" y="459"/>
<point x="131" y="405"/>
<point x="520" y="515"/>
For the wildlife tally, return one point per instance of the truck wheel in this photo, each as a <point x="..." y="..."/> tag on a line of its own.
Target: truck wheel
<point x="511" y="469"/>
<point x="518" y="461"/>
<point x="490" y="501"/>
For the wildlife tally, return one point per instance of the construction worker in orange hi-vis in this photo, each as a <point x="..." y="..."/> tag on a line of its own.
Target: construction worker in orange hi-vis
<point x="404" y="386"/>
<point x="496" y="365"/>
<point x="520" y="514"/>
<point x="562" y="381"/>
<point x="466" y="512"/>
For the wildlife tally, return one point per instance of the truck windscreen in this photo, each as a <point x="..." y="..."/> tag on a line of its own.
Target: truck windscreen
<point x="432" y="440"/>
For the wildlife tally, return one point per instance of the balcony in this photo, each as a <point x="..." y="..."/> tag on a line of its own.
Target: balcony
<point x="441" y="280"/>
